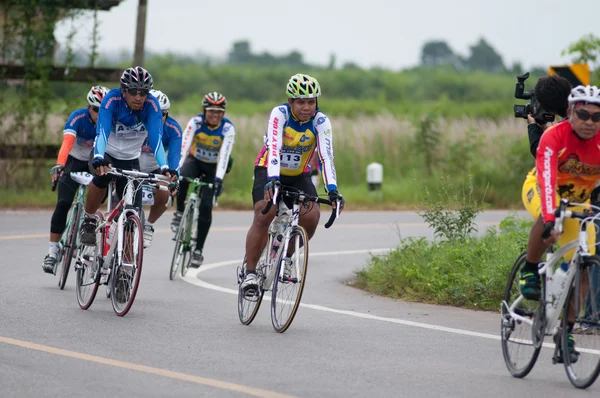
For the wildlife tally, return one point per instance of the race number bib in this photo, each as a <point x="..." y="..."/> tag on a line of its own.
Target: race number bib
<point x="290" y="160"/>
<point x="207" y="156"/>
<point x="147" y="195"/>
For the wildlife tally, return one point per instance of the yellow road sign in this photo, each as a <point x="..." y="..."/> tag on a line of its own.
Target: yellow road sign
<point x="576" y="74"/>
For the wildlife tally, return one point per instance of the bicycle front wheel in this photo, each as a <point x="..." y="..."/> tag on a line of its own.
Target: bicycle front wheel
<point x="521" y="330"/>
<point x="125" y="276"/>
<point x="249" y="302"/>
<point x="70" y="244"/>
<point x="87" y="275"/>
<point x="581" y="355"/>
<point x="182" y="250"/>
<point x="289" y="280"/>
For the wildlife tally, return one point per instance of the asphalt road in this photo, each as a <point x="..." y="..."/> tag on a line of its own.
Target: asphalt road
<point x="183" y="337"/>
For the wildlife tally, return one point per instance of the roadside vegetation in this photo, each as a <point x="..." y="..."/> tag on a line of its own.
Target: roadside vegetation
<point x="460" y="267"/>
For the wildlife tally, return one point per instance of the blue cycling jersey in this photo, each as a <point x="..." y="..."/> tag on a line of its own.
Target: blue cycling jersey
<point x="81" y="126"/>
<point x="171" y="140"/>
<point x="121" y="131"/>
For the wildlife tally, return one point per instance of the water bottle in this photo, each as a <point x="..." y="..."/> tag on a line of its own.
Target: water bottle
<point x="275" y="246"/>
<point x="558" y="279"/>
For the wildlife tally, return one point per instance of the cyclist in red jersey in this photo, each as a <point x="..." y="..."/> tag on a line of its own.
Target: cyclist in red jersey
<point x="568" y="166"/>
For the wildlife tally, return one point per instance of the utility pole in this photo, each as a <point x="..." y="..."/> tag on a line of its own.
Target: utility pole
<point x="140" y="34"/>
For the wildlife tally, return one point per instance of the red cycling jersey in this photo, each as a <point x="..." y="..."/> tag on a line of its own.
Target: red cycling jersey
<point x="566" y="165"/>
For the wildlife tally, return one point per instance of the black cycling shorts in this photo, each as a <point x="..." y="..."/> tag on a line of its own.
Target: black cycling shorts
<point x="301" y="182"/>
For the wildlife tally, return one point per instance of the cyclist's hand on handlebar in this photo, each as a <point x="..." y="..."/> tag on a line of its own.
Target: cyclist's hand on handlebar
<point x="550" y="235"/>
<point x="101" y="166"/>
<point x="270" y="189"/>
<point x="56" y="172"/>
<point x="335" y="198"/>
<point x="218" y="187"/>
<point x="172" y="174"/>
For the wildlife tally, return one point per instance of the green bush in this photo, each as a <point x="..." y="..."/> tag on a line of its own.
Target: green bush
<point x="471" y="274"/>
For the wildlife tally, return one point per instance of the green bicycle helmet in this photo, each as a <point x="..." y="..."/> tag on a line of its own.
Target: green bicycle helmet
<point x="303" y="86"/>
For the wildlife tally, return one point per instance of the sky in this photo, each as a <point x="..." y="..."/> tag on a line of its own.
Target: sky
<point x="383" y="33"/>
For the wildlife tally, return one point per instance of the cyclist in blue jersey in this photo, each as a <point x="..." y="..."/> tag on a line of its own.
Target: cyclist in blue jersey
<point x="171" y="140"/>
<point x="295" y="131"/>
<point x="128" y="115"/>
<point x="207" y="141"/>
<point x="78" y="140"/>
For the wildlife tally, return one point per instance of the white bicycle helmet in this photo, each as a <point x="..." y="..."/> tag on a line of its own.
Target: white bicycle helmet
<point x="162" y="98"/>
<point x="96" y="95"/>
<point x="589" y="94"/>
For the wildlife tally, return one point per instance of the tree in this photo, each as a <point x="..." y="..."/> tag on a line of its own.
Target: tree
<point x="586" y="50"/>
<point x="240" y="53"/>
<point x="484" y="57"/>
<point x="436" y="53"/>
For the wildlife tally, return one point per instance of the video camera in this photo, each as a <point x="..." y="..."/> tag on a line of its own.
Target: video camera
<point x="534" y="108"/>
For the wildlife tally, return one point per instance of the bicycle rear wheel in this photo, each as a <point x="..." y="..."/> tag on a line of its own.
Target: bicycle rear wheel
<point x="521" y="340"/>
<point x="248" y="304"/>
<point x="289" y="285"/>
<point x="583" y="362"/>
<point x="125" y="276"/>
<point x="70" y="244"/>
<point x="87" y="275"/>
<point x="181" y="251"/>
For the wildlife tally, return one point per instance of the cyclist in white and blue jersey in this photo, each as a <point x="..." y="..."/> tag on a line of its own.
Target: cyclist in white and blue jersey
<point x="207" y="141"/>
<point x="128" y="115"/>
<point x="78" y="140"/>
<point x="171" y="140"/>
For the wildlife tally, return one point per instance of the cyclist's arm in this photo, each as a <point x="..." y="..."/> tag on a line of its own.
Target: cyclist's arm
<point x="154" y="126"/>
<point x="277" y="121"/>
<point x="225" y="151"/>
<point x="174" y="137"/>
<point x="69" y="136"/>
<point x="105" y="119"/>
<point x="535" y="132"/>
<point x="546" y="163"/>
<point x="325" y="150"/>
<point x="188" y="137"/>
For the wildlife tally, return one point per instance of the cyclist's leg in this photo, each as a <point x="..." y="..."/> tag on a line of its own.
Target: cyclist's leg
<point x="206" y="205"/>
<point x="188" y="169"/>
<point x="96" y="191"/>
<point x="160" y="201"/>
<point x="66" y="192"/>
<point x="256" y="239"/>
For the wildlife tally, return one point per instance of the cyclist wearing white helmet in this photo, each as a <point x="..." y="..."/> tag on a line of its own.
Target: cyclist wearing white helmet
<point x="205" y="152"/>
<point x="128" y="116"/>
<point x="171" y="141"/>
<point x="568" y="166"/>
<point x="78" y="140"/>
<point x="295" y="131"/>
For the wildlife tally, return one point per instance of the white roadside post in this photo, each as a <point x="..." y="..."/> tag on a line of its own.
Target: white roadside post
<point x="375" y="178"/>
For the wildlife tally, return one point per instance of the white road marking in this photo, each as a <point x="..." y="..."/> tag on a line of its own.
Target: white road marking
<point x="194" y="279"/>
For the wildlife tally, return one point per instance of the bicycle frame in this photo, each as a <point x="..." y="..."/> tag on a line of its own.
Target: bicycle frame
<point x="83" y="179"/>
<point x="555" y="295"/>
<point x="122" y="209"/>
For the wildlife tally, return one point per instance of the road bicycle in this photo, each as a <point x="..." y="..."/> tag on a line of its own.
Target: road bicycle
<point x="116" y="258"/>
<point x="67" y="243"/>
<point x="283" y="263"/>
<point x="69" y="239"/>
<point x="570" y="304"/>
<point x="186" y="233"/>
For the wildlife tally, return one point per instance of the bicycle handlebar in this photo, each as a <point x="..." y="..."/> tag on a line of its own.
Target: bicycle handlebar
<point x="296" y="193"/>
<point x="561" y="213"/>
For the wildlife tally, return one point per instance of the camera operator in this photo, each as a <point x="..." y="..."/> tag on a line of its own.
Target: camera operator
<point x="550" y="93"/>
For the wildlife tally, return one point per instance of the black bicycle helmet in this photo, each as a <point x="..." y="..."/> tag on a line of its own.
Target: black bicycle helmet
<point x="137" y="77"/>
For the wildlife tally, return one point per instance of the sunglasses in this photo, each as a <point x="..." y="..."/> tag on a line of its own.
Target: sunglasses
<point x="94" y="108"/>
<point x="135" y="91"/>
<point x="165" y="114"/>
<point x="585" y="115"/>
